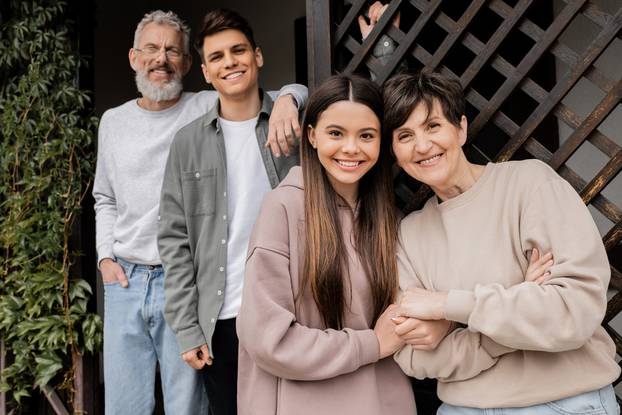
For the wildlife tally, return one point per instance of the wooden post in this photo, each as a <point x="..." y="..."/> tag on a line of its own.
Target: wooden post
<point x="319" y="45"/>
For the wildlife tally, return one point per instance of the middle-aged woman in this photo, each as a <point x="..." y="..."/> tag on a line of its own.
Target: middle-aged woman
<point x="540" y="347"/>
<point x="315" y="323"/>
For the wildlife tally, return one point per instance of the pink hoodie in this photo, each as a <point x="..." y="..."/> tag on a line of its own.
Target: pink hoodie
<point x="289" y="363"/>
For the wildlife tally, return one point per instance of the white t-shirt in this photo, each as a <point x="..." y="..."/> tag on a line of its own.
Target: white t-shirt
<point x="247" y="184"/>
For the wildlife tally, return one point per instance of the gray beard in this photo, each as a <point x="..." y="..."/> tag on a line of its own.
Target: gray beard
<point x="166" y="92"/>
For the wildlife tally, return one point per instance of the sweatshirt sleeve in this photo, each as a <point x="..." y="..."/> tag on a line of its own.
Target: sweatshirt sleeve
<point x="299" y="92"/>
<point x="267" y="326"/>
<point x="461" y="355"/>
<point x="563" y="312"/>
<point x="180" y="310"/>
<point x="105" y="201"/>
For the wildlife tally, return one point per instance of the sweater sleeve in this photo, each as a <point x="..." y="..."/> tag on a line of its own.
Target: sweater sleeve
<point x="563" y="312"/>
<point x="105" y="200"/>
<point x="461" y="355"/>
<point x="267" y="326"/>
<point x="180" y="310"/>
<point x="299" y="92"/>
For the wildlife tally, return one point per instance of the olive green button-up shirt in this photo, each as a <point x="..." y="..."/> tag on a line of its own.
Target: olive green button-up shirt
<point x="193" y="223"/>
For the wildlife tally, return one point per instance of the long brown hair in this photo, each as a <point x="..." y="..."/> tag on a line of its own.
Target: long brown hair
<point x="324" y="268"/>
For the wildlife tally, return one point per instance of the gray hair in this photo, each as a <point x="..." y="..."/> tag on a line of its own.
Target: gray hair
<point x="161" y="17"/>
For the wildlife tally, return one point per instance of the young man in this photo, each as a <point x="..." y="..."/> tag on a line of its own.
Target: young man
<point x="134" y="141"/>
<point x="218" y="171"/>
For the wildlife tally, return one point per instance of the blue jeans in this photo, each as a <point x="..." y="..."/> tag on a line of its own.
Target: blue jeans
<point x="136" y="338"/>
<point x="598" y="402"/>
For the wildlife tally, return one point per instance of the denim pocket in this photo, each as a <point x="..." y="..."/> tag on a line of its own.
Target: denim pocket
<point x="588" y="403"/>
<point x="128" y="269"/>
<point x="199" y="191"/>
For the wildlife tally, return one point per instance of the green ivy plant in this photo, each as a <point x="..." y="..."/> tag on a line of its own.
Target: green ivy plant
<point x="46" y="164"/>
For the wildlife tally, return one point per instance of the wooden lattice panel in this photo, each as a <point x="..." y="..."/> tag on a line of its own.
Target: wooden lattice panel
<point x="542" y="80"/>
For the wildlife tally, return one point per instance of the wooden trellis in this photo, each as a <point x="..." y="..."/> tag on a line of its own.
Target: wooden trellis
<point x="518" y="68"/>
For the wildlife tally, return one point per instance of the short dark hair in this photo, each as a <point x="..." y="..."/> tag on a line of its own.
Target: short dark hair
<point x="219" y="20"/>
<point x="402" y="93"/>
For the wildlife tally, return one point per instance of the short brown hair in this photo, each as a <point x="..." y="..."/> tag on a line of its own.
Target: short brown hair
<point x="402" y="93"/>
<point x="219" y="20"/>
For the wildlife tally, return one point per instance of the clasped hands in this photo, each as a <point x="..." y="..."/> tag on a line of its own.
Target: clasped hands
<point x="419" y="318"/>
<point x="394" y="330"/>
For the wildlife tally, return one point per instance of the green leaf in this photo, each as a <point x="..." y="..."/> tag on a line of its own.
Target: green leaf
<point x="48" y="365"/>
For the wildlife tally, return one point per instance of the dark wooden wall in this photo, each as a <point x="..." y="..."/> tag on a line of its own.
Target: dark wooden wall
<point x="520" y="72"/>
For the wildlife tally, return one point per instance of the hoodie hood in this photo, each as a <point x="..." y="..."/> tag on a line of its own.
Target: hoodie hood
<point x="293" y="178"/>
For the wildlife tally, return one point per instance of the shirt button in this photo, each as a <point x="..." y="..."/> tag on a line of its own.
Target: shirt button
<point x="224" y="217"/>
<point x="221" y="269"/>
<point x="219" y="292"/>
<point x="225" y="194"/>
<point x="222" y="241"/>
<point x="213" y="320"/>
<point x="197" y="175"/>
<point x="158" y="217"/>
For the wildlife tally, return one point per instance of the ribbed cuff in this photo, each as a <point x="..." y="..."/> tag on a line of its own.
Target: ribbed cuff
<point x="291" y="91"/>
<point x="404" y="358"/>
<point x="369" y="348"/>
<point x="459" y="305"/>
<point x="104" y="252"/>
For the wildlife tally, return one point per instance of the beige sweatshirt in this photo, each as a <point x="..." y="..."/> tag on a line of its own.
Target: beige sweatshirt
<point x="289" y="363"/>
<point x="523" y="344"/>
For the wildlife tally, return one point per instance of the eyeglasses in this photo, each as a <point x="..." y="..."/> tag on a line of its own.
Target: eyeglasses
<point x="153" y="51"/>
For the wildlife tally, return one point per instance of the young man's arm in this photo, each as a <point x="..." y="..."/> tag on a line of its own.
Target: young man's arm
<point x="284" y="124"/>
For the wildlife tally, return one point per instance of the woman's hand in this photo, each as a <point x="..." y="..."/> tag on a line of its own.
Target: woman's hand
<point x="375" y="11"/>
<point x="422" y="334"/>
<point x="538" y="269"/>
<point x="422" y="304"/>
<point x="384" y="329"/>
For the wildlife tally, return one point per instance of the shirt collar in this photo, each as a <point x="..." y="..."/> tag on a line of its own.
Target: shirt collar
<point x="265" y="110"/>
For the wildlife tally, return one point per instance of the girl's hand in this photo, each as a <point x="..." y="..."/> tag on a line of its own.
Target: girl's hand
<point x="385" y="332"/>
<point x="422" y="334"/>
<point x="538" y="269"/>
